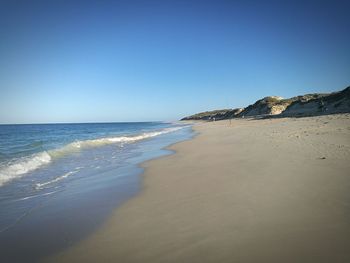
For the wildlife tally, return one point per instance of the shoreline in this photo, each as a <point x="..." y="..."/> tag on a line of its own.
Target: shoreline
<point x="272" y="190"/>
<point x="79" y="206"/>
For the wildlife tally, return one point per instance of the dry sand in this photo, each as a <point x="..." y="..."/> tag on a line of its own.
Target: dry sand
<point x="254" y="191"/>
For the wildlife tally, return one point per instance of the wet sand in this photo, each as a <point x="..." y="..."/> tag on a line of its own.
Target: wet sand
<point x="274" y="190"/>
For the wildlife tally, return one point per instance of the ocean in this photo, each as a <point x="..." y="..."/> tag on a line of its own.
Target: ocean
<point x="59" y="182"/>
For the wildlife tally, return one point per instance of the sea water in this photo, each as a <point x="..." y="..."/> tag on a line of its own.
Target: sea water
<point x="58" y="182"/>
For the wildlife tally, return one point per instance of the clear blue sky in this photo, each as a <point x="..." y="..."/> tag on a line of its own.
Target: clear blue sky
<point x="87" y="61"/>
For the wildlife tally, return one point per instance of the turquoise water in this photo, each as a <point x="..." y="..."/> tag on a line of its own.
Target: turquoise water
<point x="58" y="182"/>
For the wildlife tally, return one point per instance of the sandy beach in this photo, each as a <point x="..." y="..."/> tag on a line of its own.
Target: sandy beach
<point x="272" y="190"/>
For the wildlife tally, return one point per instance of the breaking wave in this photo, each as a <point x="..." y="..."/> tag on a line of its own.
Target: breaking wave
<point x="21" y="166"/>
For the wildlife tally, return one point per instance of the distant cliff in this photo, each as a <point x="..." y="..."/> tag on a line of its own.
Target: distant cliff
<point x="304" y="105"/>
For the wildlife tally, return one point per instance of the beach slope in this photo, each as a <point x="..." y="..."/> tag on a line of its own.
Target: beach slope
<point x="273" y="190"/>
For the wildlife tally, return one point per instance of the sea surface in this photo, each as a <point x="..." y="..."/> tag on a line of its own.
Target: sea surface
<point x="59" y="182"/>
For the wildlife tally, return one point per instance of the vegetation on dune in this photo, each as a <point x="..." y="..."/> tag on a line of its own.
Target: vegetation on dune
<point x="215" y="114"/>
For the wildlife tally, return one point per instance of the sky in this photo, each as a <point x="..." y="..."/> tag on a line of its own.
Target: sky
<point x="110" y="61"/>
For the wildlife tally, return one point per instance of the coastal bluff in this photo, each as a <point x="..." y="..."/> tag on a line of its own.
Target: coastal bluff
<point x="299" y="106"/>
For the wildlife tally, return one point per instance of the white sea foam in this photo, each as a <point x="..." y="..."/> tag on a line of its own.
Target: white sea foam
<point x="33" y="196"/>
<point x="59" y="178"/>
<point x="22" y="166"/>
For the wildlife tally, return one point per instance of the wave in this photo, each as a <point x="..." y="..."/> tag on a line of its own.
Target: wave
<point x="80" y="145"/>
<point x="24" y="165"/>
<point x="20" y="167"/>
